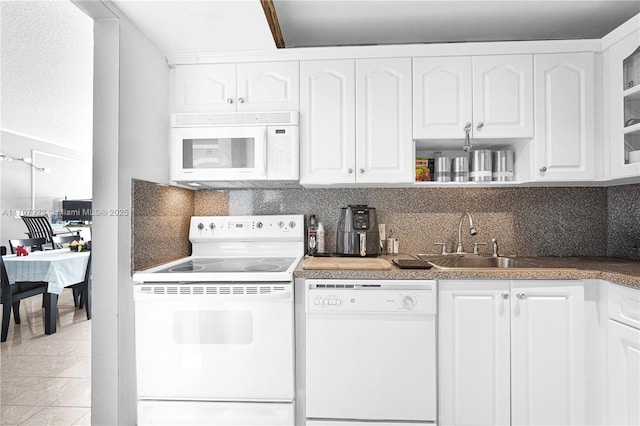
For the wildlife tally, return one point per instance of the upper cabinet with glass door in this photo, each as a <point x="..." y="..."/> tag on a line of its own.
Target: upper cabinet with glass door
<point x="624" y="71"/>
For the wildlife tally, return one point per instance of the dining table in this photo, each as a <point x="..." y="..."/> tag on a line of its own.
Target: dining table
<point x="59" y="268"/>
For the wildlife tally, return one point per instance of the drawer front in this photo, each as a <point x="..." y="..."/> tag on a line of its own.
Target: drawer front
<point x="624" y="305"/>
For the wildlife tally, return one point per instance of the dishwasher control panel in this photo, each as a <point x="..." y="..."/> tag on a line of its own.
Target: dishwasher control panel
<point x="364" y="296"/>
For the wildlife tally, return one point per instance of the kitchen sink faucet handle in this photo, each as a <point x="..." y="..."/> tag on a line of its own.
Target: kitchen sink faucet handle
<point x="494" y="245"/>
<point x="443" y="250"/>
<point x="475" y="247"/>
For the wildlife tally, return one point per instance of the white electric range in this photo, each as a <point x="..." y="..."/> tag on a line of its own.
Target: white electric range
<point x="214" y="331"/>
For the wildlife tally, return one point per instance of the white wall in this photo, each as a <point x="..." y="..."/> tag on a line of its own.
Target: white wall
<point x="47" y="72"/>
<point x="69" y="176"/>
<point x="131" y="141"/>
<point x="46" y="106"/>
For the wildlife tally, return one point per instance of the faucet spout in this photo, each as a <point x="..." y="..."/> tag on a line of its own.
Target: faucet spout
<point x="472" y="231"/>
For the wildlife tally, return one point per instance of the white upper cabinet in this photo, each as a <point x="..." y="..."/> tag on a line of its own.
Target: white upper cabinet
<point x="384" y="146"/>
<point x="564" y="107"/>
<point x="624" y="98"/>
<point x="493" y="94"/>
<point x="327" y="122"/>
<point x="442" y="97"/>
<point x="355" y="121"/>
<point x="503" y="96"/>
<point x="244" y="87"/>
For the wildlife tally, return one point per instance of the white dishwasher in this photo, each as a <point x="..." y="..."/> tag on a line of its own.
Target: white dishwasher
<point x="370" y="352"/>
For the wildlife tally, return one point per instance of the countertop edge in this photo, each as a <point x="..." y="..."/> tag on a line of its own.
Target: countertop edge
<point x="598" y="269"/>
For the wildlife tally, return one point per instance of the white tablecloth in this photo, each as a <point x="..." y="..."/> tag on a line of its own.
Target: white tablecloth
<point x="59" y="268"/>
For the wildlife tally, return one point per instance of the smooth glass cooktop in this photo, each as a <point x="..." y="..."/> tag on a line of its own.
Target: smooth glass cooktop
<point x="232" y="264"/>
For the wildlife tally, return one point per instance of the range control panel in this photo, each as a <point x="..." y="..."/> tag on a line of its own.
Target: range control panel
<point x="247" y="228"/>
<point x="363" y="299"/>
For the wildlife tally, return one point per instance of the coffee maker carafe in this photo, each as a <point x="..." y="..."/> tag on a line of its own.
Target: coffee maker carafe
<point x="358" y="232"/>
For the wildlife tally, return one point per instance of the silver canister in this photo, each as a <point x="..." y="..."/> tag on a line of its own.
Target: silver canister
<point x="460" y="169"/>
<point x="443" y="169"/>
<point x="481" y="169"/>
<point x="503" y="165"/>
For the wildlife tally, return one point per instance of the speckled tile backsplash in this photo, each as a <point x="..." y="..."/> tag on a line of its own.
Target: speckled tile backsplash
<point x="581" y="221"/>
<point x="624" y="221"/>
<point x="161" y="217"/>
<point x="526" y="221"/>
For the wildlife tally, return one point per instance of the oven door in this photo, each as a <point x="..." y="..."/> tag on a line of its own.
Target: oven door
<point x="216" y="342"/>
<point x="219" y="153"/>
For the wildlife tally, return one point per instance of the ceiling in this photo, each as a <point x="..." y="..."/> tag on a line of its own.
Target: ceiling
<point x="240" y="25"/>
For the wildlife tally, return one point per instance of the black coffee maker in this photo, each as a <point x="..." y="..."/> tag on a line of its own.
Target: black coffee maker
<point x="358" y="232"/>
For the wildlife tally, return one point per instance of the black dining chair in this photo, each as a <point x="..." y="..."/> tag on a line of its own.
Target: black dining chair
<point x="40" y="227"/>
<point x="11" y="295"/>
<point x="36" y="244"/>
<point x="83" y="289"/>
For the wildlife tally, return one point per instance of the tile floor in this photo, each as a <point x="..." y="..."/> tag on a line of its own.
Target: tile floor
<point x="46" y="380"/>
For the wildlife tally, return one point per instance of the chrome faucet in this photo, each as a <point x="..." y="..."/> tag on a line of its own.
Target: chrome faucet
<point x="494" y="244"/>
<point x="472" y="231"/>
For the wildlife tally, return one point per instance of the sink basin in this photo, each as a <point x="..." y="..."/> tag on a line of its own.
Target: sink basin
<point x="476" y="262"/>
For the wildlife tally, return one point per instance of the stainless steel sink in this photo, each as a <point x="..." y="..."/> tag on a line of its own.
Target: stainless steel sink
<point x="455" y="261"/>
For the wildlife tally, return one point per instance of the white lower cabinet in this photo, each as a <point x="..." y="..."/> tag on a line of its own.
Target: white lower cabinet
<point x="623" y="352"/>
<point x="511" y="352"/>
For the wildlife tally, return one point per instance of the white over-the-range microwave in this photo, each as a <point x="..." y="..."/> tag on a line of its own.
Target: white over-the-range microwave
<point x="224" y="150"/>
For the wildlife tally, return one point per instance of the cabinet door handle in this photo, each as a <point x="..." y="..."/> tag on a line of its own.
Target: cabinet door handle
<point x="543" y="169"/>
<point x="521" y="296"/>
<point x="361" y="170"/>
<point x="350" y="170"/>
<point x="480" y="125"/>
<point x="505" y="296"/>
<point x="240" y="100"/>
<point x="229" y="100"/>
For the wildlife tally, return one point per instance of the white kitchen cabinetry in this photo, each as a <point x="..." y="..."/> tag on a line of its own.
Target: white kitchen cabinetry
<point x="243" y="87"/>
<point x="624" y="98"/>
<point x="493" y="93"/>
<point x="356" y="122"/>
<point x="511" y="352"/>
<point x="564" y="109"/>
<point x="474" y="346"/>
<point x="623" y="371"/>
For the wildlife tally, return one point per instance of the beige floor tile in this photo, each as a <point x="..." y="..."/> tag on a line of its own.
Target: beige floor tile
<point x="46" y="380"/>
<point x="56" y="416"/>
<point x="74" y="393"/>
<point x="16" y="414"/>
<point x="84" y="420"/>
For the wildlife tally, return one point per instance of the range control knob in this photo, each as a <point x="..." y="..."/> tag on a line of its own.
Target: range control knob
<point x="212" y="226"/>
<point x="292" y="224"/>
<point x="200" y="226"/>
<point x="409" y="302"/>
<point x="280" y="224"/>
<point x="259" y="225"/>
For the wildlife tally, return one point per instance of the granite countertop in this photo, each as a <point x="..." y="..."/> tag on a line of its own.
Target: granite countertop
<point x="618" y="271"/>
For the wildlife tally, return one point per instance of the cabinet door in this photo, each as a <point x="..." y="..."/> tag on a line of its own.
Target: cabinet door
<point x="441" y="97"/>
<point x="327" y="122"/>
<point x="206" y="88"/>
<point x="547" y="353"/>
<point x="503" y="96"/>
<point x="474" y="353"/>
<point x="384" y="146"/>
<point x="268" y="86"/>
<point x="623" y="374"/>
<point x="563" y="143"/>
<point x="624" y="105"/>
